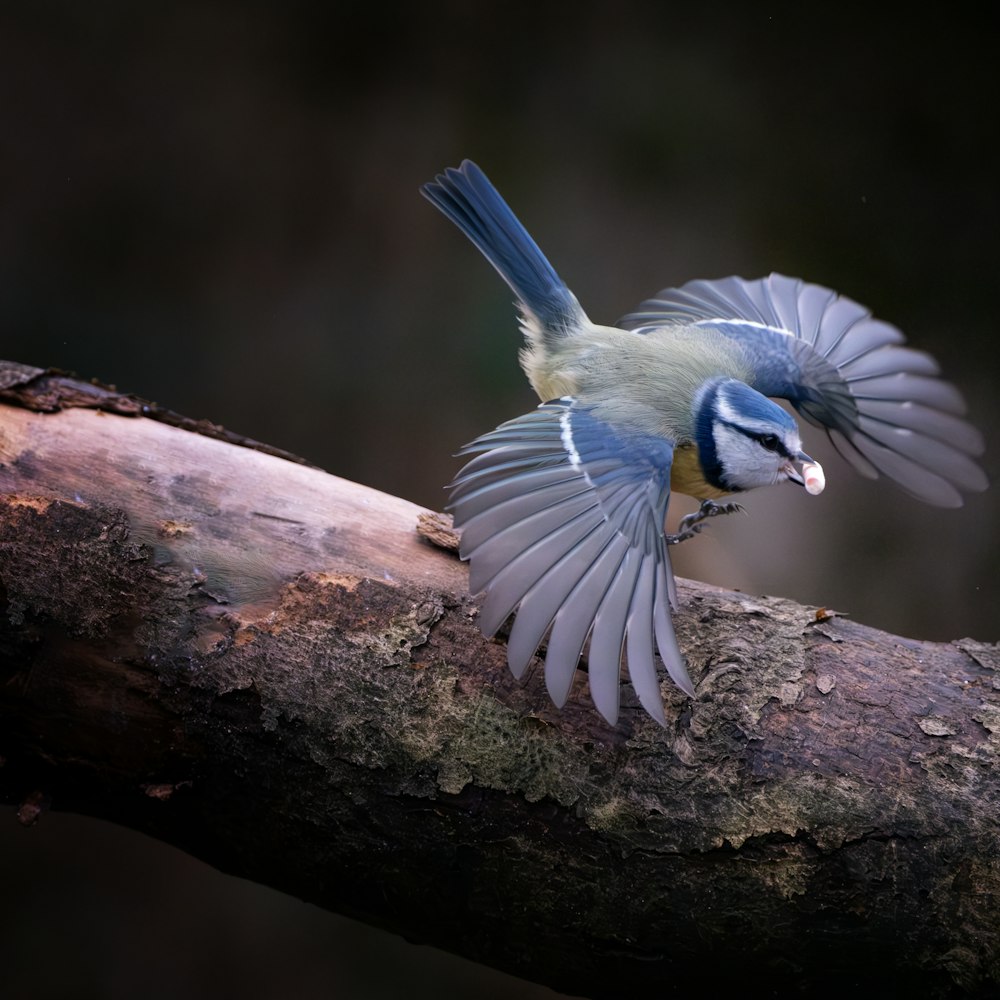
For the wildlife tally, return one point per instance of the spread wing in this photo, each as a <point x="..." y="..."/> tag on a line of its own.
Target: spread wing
<point x="562" y="518"/>
<point x="883" y="405"/>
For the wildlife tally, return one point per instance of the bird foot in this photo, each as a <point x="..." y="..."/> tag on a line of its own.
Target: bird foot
<point x="692" y="524"/>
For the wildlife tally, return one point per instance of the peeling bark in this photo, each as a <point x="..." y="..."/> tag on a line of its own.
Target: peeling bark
<point x="275" y="670"/>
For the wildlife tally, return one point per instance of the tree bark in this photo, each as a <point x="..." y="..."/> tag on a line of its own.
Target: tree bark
<point x="279" y="672"/>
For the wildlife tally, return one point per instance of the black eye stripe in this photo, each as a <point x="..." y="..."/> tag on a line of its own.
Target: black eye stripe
<point x="770" y="442"/>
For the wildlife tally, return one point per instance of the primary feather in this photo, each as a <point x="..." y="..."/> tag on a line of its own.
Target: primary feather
<point x="562" y="510"/>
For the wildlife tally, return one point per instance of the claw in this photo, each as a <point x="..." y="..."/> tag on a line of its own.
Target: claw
<point x="692" y="524"/>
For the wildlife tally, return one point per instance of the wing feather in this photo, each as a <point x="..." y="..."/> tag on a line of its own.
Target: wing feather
<point x="639" y="642"/>
<point x="666" y="640"/>
<point x="882" y="404"/>
<point x="574" y="621"/>
<point x="608" y="637"/>
<point x="506" y="588"/>
<point x="562" y="521"/>
<point x="548" y="596"/>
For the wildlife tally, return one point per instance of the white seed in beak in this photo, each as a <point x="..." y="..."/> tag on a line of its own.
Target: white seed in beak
<point x="815" y="480"/>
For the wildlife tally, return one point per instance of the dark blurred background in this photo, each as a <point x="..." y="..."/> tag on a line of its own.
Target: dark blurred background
<point x="215" y="206"/>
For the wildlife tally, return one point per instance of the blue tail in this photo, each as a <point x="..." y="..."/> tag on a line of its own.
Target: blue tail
<point x="467" y="197"/>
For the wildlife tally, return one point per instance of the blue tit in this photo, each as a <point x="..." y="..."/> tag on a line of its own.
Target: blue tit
<point x="562" y="511"/>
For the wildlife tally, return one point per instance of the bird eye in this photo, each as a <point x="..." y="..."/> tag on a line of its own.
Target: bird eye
<point x="770" y="441"/>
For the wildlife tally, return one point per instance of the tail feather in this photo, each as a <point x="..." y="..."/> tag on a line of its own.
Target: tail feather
<point x="466" y="196"/>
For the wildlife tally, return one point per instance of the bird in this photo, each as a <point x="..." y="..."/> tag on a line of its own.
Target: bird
<point x="562" y="511"/>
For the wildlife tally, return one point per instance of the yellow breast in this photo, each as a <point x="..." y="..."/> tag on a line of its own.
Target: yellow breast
<point x="686" y="476"/>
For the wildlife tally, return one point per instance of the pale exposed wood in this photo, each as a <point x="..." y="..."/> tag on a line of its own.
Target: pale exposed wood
<point x="274" y="669"/>
<point x="247" y="521"/>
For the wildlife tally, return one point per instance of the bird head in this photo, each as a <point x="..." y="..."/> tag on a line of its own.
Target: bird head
<point x="744" y="439"/>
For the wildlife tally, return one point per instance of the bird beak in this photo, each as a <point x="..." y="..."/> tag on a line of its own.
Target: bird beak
<point x="792" y="473"/>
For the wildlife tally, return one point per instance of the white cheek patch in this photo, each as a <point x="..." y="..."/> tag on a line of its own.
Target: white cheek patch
<point x="815" y="480"/>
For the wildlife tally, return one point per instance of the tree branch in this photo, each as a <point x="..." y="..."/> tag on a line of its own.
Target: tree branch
<point x="271" y="668"/>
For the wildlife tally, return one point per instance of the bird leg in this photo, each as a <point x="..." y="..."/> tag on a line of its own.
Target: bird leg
<point x="690" y="526"/>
